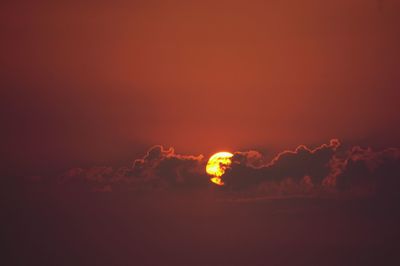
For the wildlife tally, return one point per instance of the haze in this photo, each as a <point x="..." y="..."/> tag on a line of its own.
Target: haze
<point x="96" y="82"/>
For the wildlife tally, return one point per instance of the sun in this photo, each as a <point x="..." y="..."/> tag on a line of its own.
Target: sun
<point x="216" y="166"/>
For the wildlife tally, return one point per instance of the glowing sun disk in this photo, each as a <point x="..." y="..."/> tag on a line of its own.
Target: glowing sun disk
<point x="216" y="166"/>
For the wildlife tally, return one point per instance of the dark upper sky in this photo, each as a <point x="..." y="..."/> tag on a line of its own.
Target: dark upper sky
<point x="91" y="81"/>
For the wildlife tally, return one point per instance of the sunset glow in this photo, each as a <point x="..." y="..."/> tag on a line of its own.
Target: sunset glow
<point x="216" y="166"/>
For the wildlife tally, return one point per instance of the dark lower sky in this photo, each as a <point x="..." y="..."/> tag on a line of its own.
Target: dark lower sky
<point x="92" y="82"/>
<point x="106" y="229"/>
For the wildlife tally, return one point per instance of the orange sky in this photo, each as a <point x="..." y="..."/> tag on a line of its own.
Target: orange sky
<point x="97" y="81"/>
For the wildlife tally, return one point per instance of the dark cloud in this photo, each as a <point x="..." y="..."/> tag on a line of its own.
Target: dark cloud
<point x="326" y="170"/>
<point x="366" y="171"/>
<point x="301" y="166"/>
<point x="170" y="169"/>
<point x="159" y="169"/>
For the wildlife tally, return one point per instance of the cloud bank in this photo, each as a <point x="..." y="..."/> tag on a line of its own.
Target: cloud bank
<point x="328" y="169"/>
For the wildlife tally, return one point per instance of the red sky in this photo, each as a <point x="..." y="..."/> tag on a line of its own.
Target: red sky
<point x="86" y="82"/>
<point x="87" y="87"/>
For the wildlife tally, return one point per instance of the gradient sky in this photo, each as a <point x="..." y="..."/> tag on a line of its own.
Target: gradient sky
<point x="304" y="93"/>
<point x="92" y="82"/>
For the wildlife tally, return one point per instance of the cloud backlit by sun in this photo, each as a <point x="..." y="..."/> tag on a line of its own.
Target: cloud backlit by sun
<point x="323" y="171"/>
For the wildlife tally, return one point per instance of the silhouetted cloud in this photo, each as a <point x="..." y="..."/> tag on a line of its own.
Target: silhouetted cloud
<point x="366" y="171"/>
<point x="159" y="169"/>
<point x="170" y="169"/>
<point x="328" y="169"/>
<point x="301" y="166"/>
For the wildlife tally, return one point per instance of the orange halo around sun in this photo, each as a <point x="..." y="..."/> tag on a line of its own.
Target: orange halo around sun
<point x="216" y="166"/>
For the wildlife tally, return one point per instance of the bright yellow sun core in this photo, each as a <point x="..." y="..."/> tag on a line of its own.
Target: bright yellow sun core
<point x="216" y="166"/>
